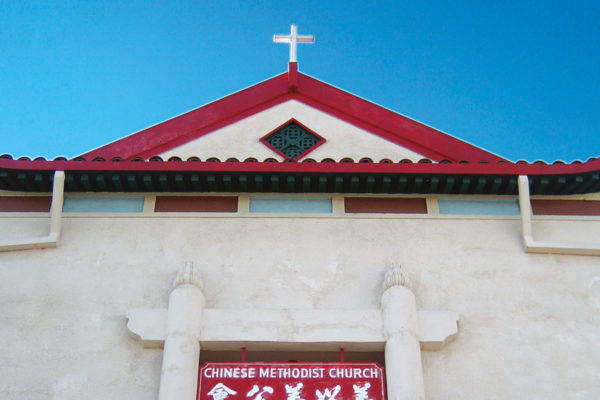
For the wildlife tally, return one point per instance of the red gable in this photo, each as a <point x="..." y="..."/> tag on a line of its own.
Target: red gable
<point x="293" y="85"/>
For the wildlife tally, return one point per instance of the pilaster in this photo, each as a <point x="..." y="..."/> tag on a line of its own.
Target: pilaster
<point x="179" y="374"/>
<point x="404" y="372"/>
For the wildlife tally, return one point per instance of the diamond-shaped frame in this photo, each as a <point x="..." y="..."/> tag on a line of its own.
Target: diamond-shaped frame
<point x="292" y="140"/>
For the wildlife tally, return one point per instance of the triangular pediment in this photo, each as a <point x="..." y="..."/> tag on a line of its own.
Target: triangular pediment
<point x="242" y="139"/>
<point x="352" y="128"/>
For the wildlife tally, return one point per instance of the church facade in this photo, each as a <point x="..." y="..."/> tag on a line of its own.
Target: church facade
<point x="295" y="221"/>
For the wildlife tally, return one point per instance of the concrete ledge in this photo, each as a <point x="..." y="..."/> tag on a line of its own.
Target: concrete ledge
<point x="355" y="330"/>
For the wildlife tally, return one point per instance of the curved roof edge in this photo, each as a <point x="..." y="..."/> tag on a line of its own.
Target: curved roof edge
<point x="424" y="177"/>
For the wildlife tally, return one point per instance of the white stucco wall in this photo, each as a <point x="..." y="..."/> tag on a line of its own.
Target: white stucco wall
<point x="242" y="139"/>
<point x="529" y="323"/>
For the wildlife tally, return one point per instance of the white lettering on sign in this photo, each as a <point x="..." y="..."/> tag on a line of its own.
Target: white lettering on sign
<point x="220" y="392"/>
<point x="296" y="373"/>
<point x="293" y="392"/>
<point x="328" y="394"/>
<point x="259" y="393"/>
<point x="353" y="373"/>
<point x="361" y="392"/>
<point x="236" y="372"/>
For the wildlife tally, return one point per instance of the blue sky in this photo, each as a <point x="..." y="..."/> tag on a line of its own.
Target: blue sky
<point x="518" y="78"/>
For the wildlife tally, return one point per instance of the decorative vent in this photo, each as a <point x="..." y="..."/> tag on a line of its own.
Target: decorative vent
<point x="292" y="140"/>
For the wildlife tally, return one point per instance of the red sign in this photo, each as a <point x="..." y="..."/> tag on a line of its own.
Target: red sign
<point x="291" y="381"/>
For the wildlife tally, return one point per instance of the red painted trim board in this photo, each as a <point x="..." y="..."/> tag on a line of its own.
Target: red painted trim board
<point x="566" y="207"/>
<point x="25" y="204"/>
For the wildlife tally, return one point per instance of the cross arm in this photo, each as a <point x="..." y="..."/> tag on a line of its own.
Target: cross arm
<point x="281" y="38"/>
<point x="306" y="39"/>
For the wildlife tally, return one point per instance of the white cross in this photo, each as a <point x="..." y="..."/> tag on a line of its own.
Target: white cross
<point x="293" y="38"/>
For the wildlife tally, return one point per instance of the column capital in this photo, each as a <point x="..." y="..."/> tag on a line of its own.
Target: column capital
<point x="188" y="274"/>
<point x="395" y="276"/>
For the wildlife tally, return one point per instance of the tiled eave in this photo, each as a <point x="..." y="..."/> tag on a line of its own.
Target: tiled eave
<point x="306" y="177"/>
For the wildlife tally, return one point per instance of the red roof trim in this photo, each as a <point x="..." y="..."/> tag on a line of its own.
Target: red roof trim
<point x="183" y="128"/>
<point x="392" y="126"/>
<point x="500" y="168"/>
<point x="292" y="85"/>
<point x="194" y="134"/>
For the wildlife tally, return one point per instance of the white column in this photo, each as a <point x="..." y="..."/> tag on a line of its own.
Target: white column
<point x="181" y="354"/>
<point x="404" y="373"/>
